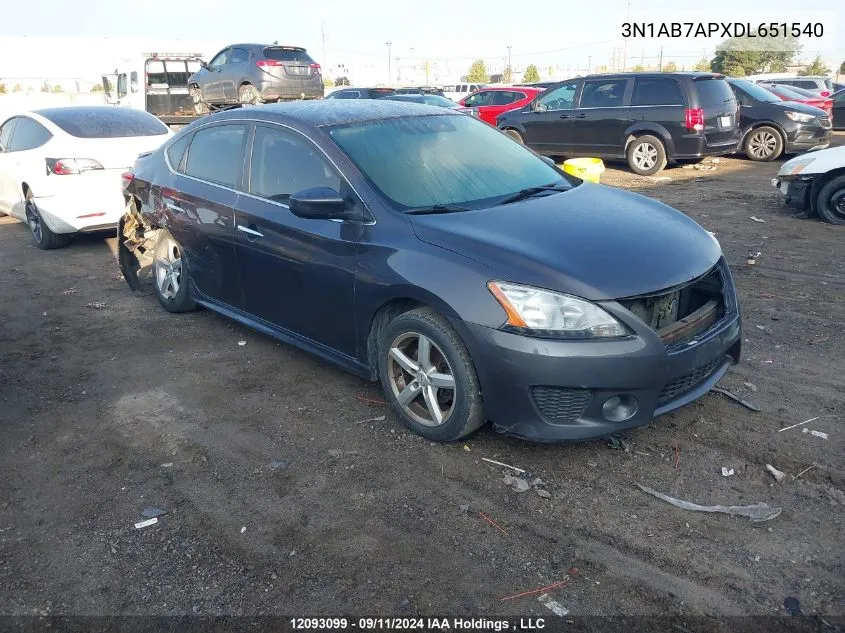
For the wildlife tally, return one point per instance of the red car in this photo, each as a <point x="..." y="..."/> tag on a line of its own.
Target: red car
<point x="791" y="93"/>
<point x="491" y="102"/>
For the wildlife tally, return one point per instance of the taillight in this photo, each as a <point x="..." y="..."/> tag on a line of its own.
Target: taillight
<point x="67" y="166"/>
<point x="263" y="63"/>
<point x="315" y="66"/>
<point x="694" y="119"/>
<point x="825" y="93"/>
<point x="126" y="178"/>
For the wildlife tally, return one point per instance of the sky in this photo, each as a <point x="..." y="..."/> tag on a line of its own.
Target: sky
<point x="79" y="39"/>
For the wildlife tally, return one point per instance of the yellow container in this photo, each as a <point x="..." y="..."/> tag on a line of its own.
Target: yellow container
<point x="589" y="169"/>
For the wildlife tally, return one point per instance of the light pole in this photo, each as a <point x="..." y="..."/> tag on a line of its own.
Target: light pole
<point x="510" y="70"/>
<point x="389" y="67"/>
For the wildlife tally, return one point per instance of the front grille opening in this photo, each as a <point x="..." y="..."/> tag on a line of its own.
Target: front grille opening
<point x="559" y="404"/>
<point x="682" y="314"/>
<point x="683" y="384"/>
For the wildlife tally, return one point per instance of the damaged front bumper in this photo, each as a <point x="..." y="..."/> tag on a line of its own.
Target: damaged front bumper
<point x="796" y="189"/>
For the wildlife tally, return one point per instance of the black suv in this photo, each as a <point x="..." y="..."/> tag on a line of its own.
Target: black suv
<point x="771" y="127"/>
<point x="360" y="93"/>
<point x="646" y="118"/>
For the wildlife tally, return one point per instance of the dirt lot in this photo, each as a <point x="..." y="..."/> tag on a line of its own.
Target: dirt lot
<point x="107" y="411"/>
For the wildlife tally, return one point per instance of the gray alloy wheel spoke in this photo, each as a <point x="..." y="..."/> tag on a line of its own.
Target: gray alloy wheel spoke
<point x="409" y="393"/>
<point x="645" y="156"/>
<point x="404" y="362"/>
<point x="168" y="271"/>
<point x="441" y="381"/>
<point x="430" y="396"/>
<point x="424" y="354"/>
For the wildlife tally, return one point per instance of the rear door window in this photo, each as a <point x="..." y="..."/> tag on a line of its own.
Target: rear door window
<point x="176" y="151"/>
<point x="216" y="154"/>
<point x="28" y="134"/>
<point x="657" y="91"/>
<point x="238" y="56"/>
<point x="603" y="93"/>
<point x="104" y="122"/>
<point x="284" y="163"/>
<point x="504" y="97"/>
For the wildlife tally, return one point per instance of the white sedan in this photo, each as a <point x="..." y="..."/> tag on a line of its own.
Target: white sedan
<point x="815" y="183"/>
<point x="61" y="168"/>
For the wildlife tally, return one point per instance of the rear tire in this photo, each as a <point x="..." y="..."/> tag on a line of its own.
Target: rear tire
<point x="170" y="276"/>
<point x="763" y="144"/>
<point x="248" y="95"/>
<point x="646" y="155"/>
<point x="830" y="203"/>
<point x="43" y="237"/>
<point x="425" y="367"/>
<point x="515" y="136"/>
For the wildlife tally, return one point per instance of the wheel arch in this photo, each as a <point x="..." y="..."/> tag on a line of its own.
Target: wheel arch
<point x="649" y="129"/>
<point x="404" y="300"/>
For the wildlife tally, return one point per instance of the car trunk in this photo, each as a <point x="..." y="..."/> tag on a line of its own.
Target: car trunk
<point x="720" y="109"/>
<point x="283" y="62"/>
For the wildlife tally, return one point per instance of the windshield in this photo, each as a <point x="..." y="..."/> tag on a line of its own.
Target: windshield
<point x="755" y="91"/>
<point x="441" y="160"/>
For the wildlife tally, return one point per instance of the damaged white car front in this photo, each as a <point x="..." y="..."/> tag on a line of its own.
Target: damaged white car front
<point x="814" y="184"/>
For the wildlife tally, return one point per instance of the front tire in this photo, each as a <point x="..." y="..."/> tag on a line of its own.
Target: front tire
<point x="200" y="106"/>
<point x="763" y="144"/>
<point x="428" y="376"/>
<point x="830" y="203"/>
<point x="43" y="237"/>
<point x="646" y="155"/>
<point x="170" y="276"/>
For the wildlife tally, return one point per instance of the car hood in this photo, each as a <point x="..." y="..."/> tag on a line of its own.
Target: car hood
<point x="817" y="162"/>
<point x="593" y="241"/>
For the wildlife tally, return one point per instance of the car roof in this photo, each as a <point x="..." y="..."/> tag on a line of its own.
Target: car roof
<point x="322" y="112"/>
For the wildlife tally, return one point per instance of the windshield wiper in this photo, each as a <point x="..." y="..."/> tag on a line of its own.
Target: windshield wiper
<point x="532" y="191"/>
<point x="437" y="208"/>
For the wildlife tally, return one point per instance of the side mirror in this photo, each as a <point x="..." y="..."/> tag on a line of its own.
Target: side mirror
<point x="533" y="106"/>
<point x="319" y="203"/>
<point x="203" y="65"/>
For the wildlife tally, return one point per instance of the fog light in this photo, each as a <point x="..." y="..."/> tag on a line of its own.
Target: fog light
<point x="619" y="408"/>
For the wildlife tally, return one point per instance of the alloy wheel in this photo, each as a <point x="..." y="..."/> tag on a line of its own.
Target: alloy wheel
<point x="168" y="269"/>
<point x="762" y="144"/>
<point x="33" y="219"/>
<point x="421" y="379"/>
<point x="645" y="156"/>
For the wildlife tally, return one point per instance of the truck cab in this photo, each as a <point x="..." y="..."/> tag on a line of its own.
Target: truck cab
<point x="158" y="83"/>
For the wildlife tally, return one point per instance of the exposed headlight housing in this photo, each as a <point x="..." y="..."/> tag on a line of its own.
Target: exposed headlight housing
<point x="799" y="117"/>
<point x="539" y="312"/>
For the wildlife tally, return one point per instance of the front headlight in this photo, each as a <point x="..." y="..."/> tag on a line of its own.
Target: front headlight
<point x="795" y="167"/>
<point x="543" y="312"/>
<point x="799" y="117"/>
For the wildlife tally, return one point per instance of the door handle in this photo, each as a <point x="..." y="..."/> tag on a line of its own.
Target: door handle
<point x="564" y="116"/>
<point x="581" y="116"/>
<point x="250" y="230"/>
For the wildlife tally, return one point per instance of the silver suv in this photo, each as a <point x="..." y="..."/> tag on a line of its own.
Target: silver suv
<point x="255" y="73"/>
<point x="821" y="85"/>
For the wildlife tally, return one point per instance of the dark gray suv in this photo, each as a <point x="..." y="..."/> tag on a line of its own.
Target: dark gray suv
<point x="256" y="73"/>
